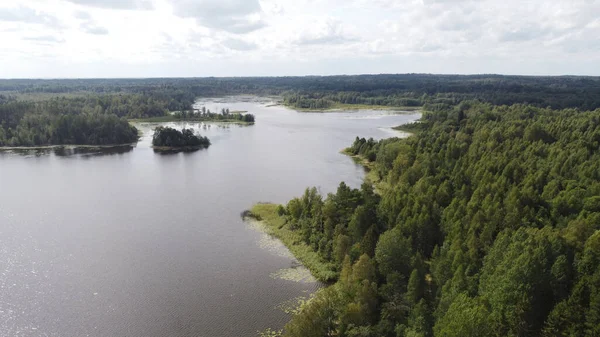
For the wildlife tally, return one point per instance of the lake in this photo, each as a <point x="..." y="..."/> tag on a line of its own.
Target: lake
<point x="129" y="242"/>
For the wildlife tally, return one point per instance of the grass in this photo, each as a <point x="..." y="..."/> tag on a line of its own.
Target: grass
<point x="276" y="225"/>
<point x="341" y="106"/>
<point x="349" y="107"/>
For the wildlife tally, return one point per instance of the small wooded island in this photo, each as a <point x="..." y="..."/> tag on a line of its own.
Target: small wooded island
<point x="205" y="115"/>
<point x="167" y="139"/>
<point x="225" y="116"/>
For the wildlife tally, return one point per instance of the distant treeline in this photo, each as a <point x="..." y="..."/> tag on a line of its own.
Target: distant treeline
<point x="144" y="98"/>
<point x="447" y="90"/>
<point x="177" y="94"/>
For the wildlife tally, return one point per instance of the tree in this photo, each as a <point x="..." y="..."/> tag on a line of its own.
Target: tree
<point x="466" y="317"/>
<point x="393" y="253"/>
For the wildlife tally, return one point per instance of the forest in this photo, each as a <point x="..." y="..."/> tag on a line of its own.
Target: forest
<point x="485" y="222"/>
<point x="24" y="102"/>
<point x="65" y="129"/>
<point x="165" y="136"/>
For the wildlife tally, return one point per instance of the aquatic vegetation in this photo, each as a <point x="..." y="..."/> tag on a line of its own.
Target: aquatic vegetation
<point x="294" y="306"/>
<point x="296" y="274"/>
<point x="268" y="332"/>
<point x="275" y="224"/>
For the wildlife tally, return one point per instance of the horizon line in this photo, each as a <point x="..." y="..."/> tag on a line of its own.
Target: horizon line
<point x="291" y="76"/>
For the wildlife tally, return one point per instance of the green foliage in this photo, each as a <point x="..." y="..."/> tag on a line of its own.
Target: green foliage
<point x="165" y="136"/>
<point x="82" y="129"/>
<point x="393" y="253"/>
<point x="270" y="333"/>
<point x="364" y="148"/>
<point x="466" y="317"/>
<point x="487" y="224"/>
<point x="205" y="115"/>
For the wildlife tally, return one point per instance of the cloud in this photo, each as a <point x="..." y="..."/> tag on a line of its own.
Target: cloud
<point x="28" y="15"/>
<point x="93" y="29"/>
<point x="325" y="39"/>
<point x="328" y="32"/>
<point x="81" y="15"/>
<point x="45" y="39"/>
<point x="116" y="4"/>
<point x="521" y="34"/>
<point x="89" y="25"/>
<point x="233" y="16"/>
<point x="281" y="37"/>
<point x="241" y="45"/>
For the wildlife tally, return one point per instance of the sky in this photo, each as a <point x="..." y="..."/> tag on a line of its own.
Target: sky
<point x="197" y="38"/>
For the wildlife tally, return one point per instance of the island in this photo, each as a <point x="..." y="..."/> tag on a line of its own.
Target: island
<point x="204" y="115"/>
<point x="167" y="139"/>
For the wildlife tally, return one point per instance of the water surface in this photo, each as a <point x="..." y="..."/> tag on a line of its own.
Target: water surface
<point x="133" y="243"/>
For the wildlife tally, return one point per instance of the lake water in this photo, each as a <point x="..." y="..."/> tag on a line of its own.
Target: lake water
<point x="134" y="243"/>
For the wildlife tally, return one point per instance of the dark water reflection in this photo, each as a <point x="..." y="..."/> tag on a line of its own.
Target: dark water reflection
<point x="70" y="151"/>
<point x="126" y="242"/>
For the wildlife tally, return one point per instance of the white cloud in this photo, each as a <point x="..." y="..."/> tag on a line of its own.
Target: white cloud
<point x="91" y="28"/>
<point x="234" y="16"/>
<point x="239" y="44"/>
<point x="326" y="32"/>
<point x="116" y="4"/>
<point x="28" y="15"/>
<point x="67" y="38"/>
<point x="89" y="25"/>
<point x="45" y="39"/>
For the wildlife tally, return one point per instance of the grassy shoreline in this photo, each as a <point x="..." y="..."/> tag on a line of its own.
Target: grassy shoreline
<point x="275" y="225"/>
<point x="339" y="107"/>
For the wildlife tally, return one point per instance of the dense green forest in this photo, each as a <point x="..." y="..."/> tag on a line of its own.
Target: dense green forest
<point x="487" y="223"/>
<point x="84" y="120"/>
<point x="64" y="129"/>
<point x="165" y="136"/>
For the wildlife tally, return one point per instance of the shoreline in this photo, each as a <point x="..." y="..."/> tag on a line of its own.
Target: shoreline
<point x="371" y="176"/>
<point x="275" y="225"/>
<point x="339" y="107"/>
<point x="174" y="149"/>
<point x="66" y="146"/>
